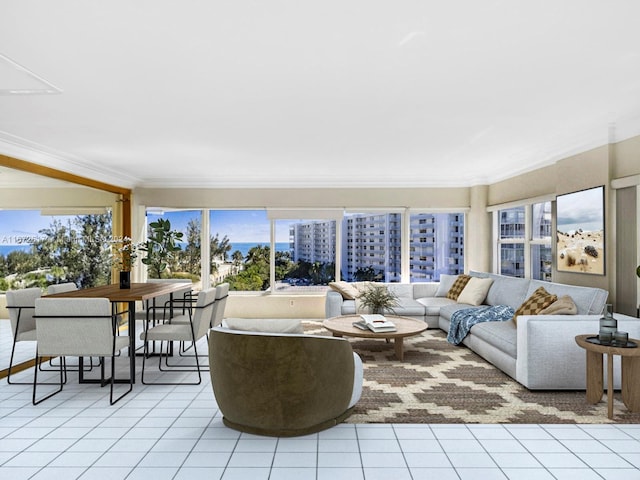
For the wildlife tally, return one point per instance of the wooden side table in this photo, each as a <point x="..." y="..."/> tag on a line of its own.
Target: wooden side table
<point x="630" y="387"/>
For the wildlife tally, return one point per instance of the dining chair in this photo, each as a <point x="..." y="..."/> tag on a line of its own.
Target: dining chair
<point x="79" y="327"/>
<point x="61" y="287"/>
<point x="189" y="327"/>
<point x="21" y="305"/>
<point x="217" y="315"/>
<point x="159" y="308"/>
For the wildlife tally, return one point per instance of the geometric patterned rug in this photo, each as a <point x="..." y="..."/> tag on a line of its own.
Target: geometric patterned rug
<point x="442" y="383"/>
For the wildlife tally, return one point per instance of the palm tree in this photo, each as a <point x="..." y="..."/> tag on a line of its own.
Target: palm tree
<point x="237" y="258"/>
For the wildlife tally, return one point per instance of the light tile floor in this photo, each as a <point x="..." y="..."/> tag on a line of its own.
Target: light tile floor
<point x="176" y="432"/>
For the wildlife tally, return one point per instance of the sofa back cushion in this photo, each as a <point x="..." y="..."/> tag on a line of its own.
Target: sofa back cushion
<point x="401" y="290"/>
<point x="505" y="290"/>
<point x="588" y="300"/>
<point x="446" y="282"/>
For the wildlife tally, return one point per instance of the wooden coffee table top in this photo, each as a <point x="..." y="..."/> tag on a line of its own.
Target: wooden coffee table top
<point x="343" y="325"/>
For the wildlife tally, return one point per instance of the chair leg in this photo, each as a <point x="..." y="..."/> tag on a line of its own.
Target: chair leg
<point x="63" y="380"/>
<point x="173" y="369"/>
<point x="13" y="349"/>
<point x="113" y="378"/>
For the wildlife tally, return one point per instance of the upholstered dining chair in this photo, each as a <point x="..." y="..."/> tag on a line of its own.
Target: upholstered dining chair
<point x="21" y="305"/>
<point x="283" y="384"/>
<point x="159" y="308"/>
<point x="222" y="292"/>
<point x="78" y="327"/>
<point x="217" y="315"/>
<point x="61" y="287"/>
<point x="189" y="327"/>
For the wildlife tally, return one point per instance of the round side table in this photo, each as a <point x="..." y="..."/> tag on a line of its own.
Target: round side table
<point x="630" y="387"/>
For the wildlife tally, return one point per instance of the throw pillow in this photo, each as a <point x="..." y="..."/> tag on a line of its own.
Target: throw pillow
<point x="347" y="290"/>
<point x="563" y="306"/>
<point x="475" y="291"/>
<point x="538" y="301"/>
<point x="446" y="282"/>
<point x="458" y="286"/>
<point x="265" y="325"/>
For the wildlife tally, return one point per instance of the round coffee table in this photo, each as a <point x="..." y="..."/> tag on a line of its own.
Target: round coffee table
<point x="342" y="326"/>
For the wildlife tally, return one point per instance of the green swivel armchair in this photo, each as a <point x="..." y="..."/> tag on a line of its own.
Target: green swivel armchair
<point x="281" y="384"/>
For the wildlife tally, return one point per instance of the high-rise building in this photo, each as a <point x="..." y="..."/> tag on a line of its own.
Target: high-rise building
<point x="371" y="245"/>
<point x="436" y="245"/>
<point x="313" y="241"/>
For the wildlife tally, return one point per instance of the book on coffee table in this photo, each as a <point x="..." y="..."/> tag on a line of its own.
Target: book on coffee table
<point x="376" y="323"/>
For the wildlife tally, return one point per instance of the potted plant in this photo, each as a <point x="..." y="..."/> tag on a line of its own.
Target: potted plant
<point x="123" y="256"/>
<point x="160" y="247"/>
<point x="377" y="298"/>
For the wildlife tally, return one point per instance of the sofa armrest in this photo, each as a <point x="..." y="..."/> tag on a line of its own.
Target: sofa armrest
<point x="547" y="354"/>
<point x="333" y="304"/>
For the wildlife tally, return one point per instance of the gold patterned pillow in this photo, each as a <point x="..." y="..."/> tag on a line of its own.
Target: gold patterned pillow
<point x="457" y="287"/>
<point x="538" y="301"/>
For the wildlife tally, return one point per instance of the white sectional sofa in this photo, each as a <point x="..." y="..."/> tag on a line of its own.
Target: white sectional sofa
<point x="540" y="352"/>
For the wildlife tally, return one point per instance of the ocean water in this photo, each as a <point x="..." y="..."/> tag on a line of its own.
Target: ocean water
<point x="244" y="247"/>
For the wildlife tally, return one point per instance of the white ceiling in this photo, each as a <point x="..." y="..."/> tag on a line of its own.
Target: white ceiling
<point x="243" y="93"/>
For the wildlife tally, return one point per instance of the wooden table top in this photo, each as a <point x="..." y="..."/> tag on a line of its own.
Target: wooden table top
<point x="594" y="347"/>
<point x="137" y="292"/>
<point x="343" y="325"/>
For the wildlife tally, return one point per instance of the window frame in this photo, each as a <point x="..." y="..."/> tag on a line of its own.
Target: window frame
<point x="528" y="240"/>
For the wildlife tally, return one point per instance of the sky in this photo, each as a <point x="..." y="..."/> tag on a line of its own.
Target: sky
<point x="583" y="209"/>
<point x="22" y="226"/>
<point x="252" y="226"/>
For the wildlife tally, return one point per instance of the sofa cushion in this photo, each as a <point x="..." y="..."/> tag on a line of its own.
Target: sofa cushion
<point x="588" y="300"/>
<point x="505" y="290"/>
<point x="433" y="305"/>
<point x="265" y="325"/>
<point x="457" y="287"/>
<point x="447" y="310"/>
<point x="401" y="290"/>
<point x="346" y="289"/>
<point x="563" y="306"/>
<point x="501" y="335"/>
<point x="538" y="301"/>
<point x="407" y="307"/>
<point x="446" y="282"/>
<point x="475" y="291"/>
<point x="425" y="289"/>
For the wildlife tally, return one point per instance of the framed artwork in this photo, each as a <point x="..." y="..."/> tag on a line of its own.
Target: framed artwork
<point x="580" y="232"/>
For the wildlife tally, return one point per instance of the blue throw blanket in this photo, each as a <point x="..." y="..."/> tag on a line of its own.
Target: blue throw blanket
<point x="463" y="320"/>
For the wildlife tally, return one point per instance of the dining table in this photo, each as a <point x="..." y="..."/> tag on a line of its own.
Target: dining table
<point x="138" y="292"/>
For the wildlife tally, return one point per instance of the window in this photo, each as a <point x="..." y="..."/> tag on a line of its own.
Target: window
<point x="307" y="262"/>
<point x="373" y="242"/>
<point x="241" y="248"/>
<point x="186" y="263"/>
<point x="512" y="237"/>
<point x="440" y="251"/>
<point x="311" y="251"/>
<point x="524" y="241"/>
<point x="37" y="250"/>
<point x="541" y="254"/>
